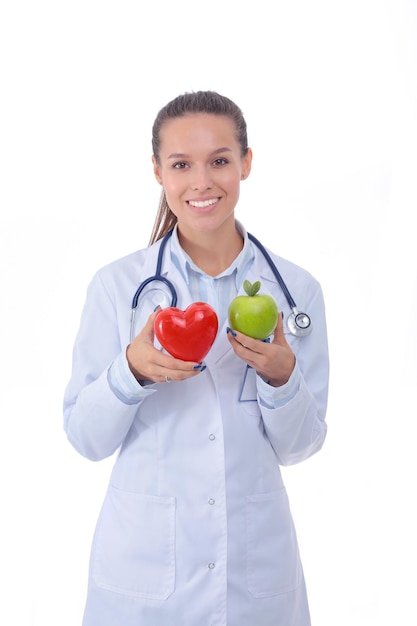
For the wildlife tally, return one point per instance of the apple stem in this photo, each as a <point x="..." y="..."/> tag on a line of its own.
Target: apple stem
<point x="251" y="289"/>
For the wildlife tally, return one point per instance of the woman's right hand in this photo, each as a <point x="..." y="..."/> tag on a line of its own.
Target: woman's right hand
<point x="151" y="365"/>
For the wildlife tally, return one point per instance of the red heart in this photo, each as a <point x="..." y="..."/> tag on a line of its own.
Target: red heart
<point x="187" y="335"/>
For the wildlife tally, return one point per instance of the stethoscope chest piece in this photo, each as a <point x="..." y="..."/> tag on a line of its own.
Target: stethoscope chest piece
<point x="299" y="323"/>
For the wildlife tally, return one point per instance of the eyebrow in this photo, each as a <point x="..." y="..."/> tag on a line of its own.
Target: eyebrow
<point x="181" y="155"/>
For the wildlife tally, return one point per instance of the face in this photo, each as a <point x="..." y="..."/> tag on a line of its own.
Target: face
<point x="200" y="169"/>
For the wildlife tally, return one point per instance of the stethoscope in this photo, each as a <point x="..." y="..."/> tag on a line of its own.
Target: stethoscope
<point x="298" y="323"/>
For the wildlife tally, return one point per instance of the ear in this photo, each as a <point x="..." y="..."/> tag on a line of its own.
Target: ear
<point x="156" y="170"/>
<point x="246" y="164"/>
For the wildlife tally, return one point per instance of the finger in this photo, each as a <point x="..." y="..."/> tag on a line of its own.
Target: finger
<point x="171" y="363"/>
<point x="279" y="337"/>
<point x="254" y="345"/>
<point x="150" y="324"/>
<point x="175" y="374"/>
<point x="147" y="331"/>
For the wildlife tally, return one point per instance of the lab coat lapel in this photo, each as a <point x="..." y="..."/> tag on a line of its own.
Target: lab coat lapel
<point x="259" y="271"/>
<point x="168" y="271"/>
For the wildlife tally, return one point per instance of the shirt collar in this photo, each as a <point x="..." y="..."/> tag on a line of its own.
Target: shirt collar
<point x="239" y="266"/>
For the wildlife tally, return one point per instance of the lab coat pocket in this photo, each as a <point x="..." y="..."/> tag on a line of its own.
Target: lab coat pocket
<point x="273" y="563"/>
<point x="134" y="545"/>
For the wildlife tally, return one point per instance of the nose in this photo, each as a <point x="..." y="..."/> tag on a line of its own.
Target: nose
<point x="201" y="179"/>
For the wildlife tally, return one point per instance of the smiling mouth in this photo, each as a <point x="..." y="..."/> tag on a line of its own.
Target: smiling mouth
<point x="203" y="204"/>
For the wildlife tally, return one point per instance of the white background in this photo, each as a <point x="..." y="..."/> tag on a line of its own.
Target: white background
<point x="329" y="92"/>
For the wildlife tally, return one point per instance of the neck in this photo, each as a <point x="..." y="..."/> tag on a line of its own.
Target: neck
<point x="212" y="252"/>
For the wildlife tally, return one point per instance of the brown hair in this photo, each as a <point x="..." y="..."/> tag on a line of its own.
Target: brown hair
<point x="188" y="103"/>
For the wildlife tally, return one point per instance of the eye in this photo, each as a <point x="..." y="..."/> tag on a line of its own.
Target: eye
<point x="179" y="165"/>
<point x="220" y="161"/>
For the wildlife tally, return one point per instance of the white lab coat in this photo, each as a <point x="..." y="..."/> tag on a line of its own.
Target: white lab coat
<point x="195" y="528"/>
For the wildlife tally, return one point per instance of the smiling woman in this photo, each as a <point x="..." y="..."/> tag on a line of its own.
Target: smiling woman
<point x="330" y="96"/>
<point x="196" y="506"/>
<point x="201" y="183"/>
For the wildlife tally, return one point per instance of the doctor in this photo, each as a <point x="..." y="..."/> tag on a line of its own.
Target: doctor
<point x="195" y="528"/>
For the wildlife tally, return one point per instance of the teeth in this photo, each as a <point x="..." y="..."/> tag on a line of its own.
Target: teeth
<point x="206" y="203"/>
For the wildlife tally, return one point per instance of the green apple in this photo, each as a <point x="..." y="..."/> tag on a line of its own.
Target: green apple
<point x="255" y="314"/>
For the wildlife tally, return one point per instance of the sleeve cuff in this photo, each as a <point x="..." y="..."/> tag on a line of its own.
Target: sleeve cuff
<point x="124" y="385"/>
<point x="276" y="397"/>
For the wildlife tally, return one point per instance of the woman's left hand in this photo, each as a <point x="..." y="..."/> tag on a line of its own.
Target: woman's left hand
<point x="273" y="361"/>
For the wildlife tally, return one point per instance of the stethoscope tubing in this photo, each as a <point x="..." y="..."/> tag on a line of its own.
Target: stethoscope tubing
<point x="298" y="329"/>
<point x="275" y="272"/>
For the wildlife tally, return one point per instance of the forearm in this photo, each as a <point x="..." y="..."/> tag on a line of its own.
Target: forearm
<point x="98" y="418"/>
<point x="295" y="425"/>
